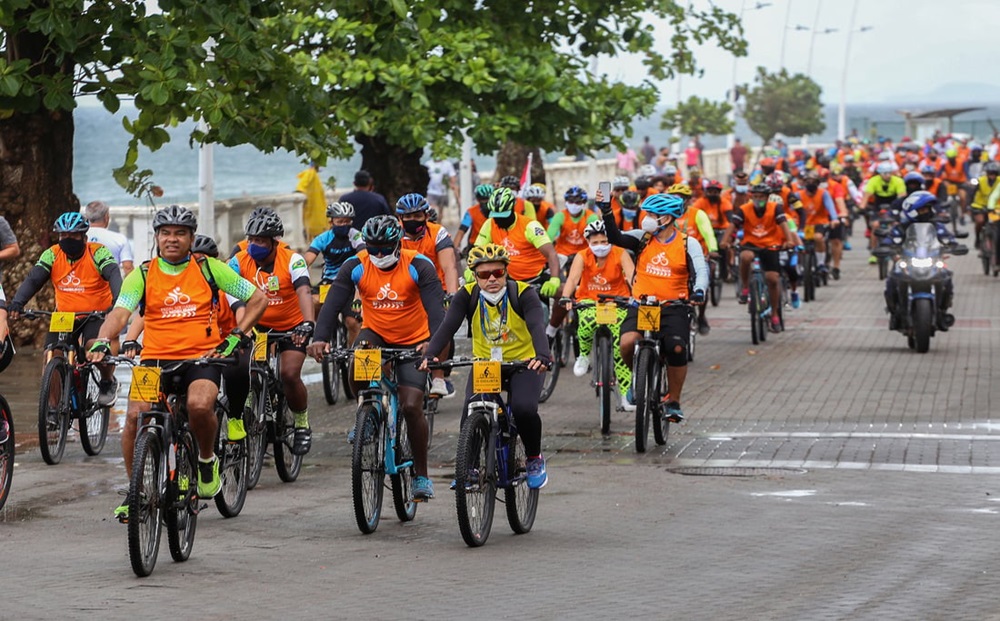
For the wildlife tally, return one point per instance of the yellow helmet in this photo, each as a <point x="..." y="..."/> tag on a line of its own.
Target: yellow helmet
<point x="680" y="189"/>
<point x="490" y="253"/>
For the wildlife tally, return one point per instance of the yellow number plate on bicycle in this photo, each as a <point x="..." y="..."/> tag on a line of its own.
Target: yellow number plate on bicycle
<point x="260" y="347"/>
<point x="952" y="189"/>
<point x="809" y="231"/>
<point x="323" y="291"/>
<point x="606" y="314"/>
<point x="994" y="216"/>
<point x="648" y="318"/>
<point x="486" y="376"/>
<point x="367" y="365"/>
<point x="145" y="384"/>
<point x="62" y="322"/>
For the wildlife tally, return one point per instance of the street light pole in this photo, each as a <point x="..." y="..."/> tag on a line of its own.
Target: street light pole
<point x="812" y="40"/>
<point x="784" y="37"/>
<point x="842" y="108"/>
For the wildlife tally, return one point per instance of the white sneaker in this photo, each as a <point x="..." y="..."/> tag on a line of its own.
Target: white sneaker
<point x="438" y="387"/>
<point x="581" y="366"/>
<point x="628" y="407"/>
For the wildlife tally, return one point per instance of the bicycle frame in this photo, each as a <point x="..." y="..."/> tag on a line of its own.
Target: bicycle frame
<point x="502" y="427"/>
<point x="375" y="395"/>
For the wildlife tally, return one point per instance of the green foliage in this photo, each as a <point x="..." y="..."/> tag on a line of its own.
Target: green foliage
<point x="699" y="116"/>
<point x="782" y="103"/>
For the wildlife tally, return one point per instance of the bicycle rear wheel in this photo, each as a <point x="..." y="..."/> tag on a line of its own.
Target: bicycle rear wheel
<point x="552" y="376"/>
<point x="145" y="504"/>
<point x="475" y="479"/>
<point x="368" y="468"/>
<point x="431" y="403"/>
<point x="715" y="285"/>
<point x="809" y="275"/>
<point x="754" y="315"/>
<point x="402" y="482"/>
<point x="6" y="452"/>
<point x="692" y="336"/>
<point x="286" y="463"/>
<point x="53" y="411"/>
<point x="604" y="361"/>
<point x="94" y="421"/>
<point x="180" y="502"/>
<point x="521" y="501"/>
<point x="661" y="426"/>
<point x="644" y="397"/>
<point x="233" y="466"/>
<point x="255" y="422"/>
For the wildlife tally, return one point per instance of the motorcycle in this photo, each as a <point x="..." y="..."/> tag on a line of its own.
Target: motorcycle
<point x="919" y="279"/>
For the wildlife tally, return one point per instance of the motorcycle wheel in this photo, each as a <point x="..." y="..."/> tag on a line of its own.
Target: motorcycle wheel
<point x="923" y="321"/>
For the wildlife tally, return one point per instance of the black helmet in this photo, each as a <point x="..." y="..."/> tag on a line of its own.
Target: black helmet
<point x="175" y="215"/>
<point x="991" y="167"/>
<point x="267" y="225"/>
<point x="203" y="244"/>
<point x="629" y="199"/>
<point x="261" y="211"/>
<point x="760" y="188"/>
<point x="510" y="181"/>
<point x="382" y="231"/>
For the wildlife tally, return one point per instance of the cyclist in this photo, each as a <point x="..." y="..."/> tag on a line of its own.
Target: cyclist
<point x="821" y="214"/>
<point x="337" y="244"/>
<point x="521" y="206"/>
<point x="619" y="185"/>
<point x="985" y="186"/>
<point x="544" y="210"/>
<point x="257" y="212"/>
<point x="697" y="224"/>
<point x="85" y="278"/>
<point x="666" y="260"/>
<point x="566" y="227"/>
<point x="176" y="295"/>
<point x="764" y="225"/>
<point x="880" y="191"/>
<point x="933" y="183"/>
<point x="402" y="301"/>
<point x="283" y="277"/>
<point x="507" y="325"/>
<point x="739" y="193"/>
<point x="630" y="201"/>
<point x="475" y="216"/>
<point x="601" y="269"/>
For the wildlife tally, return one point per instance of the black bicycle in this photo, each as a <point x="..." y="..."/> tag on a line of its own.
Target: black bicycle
<point x="234" y="464"/>
<point x="6" y="450"/>
<point x="335" y="371"/>
<point x="269" y="421"/>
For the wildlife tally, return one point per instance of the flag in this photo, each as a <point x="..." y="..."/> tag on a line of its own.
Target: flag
<point x="526" y="174"/>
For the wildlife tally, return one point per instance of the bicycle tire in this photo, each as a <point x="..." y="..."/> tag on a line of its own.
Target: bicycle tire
<point x="288" y="464"/>
<point x="368" y="468"/>
<point x="986" y="250"/>
<point x="7" y="452"/>
<point x="661" y="426"/>
<point x="566" y="336"/>
<point x="402" y="483"/>
<point x="475" y="479"/>
<point x="255" y="422"/>
<point x="94" y="424"/>
<point x="809" y="276"/>
<point x="233" y="466"/>
<point x="331" y="380"/>
<point x="643" y="398"/>
<point x="754" y="313"/>
<point x="883" y="268"/>
<point x="53" y="422"/>
<point x="181" y="514"/>
<point x="692" y="337"/>
<point x="431" y="404"/>
<point x="551" y="378"/>
<point x="144" y="506"/>
<point x="520" y="500"/>
<point x="715" y="285"/>
<point x="605" y="362"/>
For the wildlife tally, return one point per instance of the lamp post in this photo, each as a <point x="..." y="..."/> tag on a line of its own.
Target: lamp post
<point x="206" y="169"/>
<point x="842" y="108"/>
<point x="731" y="137"/>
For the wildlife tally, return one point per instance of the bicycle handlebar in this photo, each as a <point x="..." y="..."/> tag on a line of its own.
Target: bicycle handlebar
<point x="389" y="354"/>
<point x="39" y="314"/>
<point x="514" y="365"/>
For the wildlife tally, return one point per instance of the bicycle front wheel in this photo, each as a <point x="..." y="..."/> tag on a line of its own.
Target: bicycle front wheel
<point x="552" y="376"/>
<point x="645" y="397"/>
<point x="233" y="467"/>
<point x="368" y="468"/>
<point x="661" y="426"/>
<point x="286" y="463"/>
<point x="520" y="500"/>
<point x="180" y="502"/>
<point x="6" y="452"/>
<point x="331" y="380"/>
<point x="754" y="316"/>
<point x="809" y="276"/>
<point x="145" y="504"/>
<point x="604" y="363"/>
<point x="475" y="480"/>
<point x="94" y="418"/>
<point x="255" y="422"/>
<point x="53" y="411"/>
<point x="402" y="481"/>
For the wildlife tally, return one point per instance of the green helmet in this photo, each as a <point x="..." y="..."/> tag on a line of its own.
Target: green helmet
<point x="502" y="202"/>
<point x="484" y="190"/>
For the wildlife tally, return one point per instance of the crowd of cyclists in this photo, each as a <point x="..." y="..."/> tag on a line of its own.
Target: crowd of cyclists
<point x="525" y="266"/>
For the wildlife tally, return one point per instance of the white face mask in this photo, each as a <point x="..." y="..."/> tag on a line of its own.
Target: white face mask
<point x="650" y="224"/>
<point x="493" y="298"/>
<point x="742" y="188"/>
<point x="384" y="263"/>
<point x="574" y="209"/>
<point x="600" y="250"/>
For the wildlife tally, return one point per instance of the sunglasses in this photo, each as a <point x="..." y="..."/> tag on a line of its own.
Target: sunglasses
<point x="381" y="251"/>
<point x="485" y="274"/>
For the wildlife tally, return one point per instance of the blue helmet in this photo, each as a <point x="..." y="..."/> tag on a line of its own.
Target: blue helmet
<point x="918" y="207"/>
<point x="411" y="203"/>
<point x="913" y="177"/>
<point x="576" y="194"/>
<point x="664" y="205"/>
<point x="71" y="222"/>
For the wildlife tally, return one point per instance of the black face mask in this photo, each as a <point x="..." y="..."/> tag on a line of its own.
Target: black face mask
<point x="812" y="187"/>
<point x="505" y="222"/>
<point x="414" y="227"/>
<point x="715" y="199"/>
<point x="484" y="207"/>
<point x="73" y="247"/>
<point x="767" y="170"/>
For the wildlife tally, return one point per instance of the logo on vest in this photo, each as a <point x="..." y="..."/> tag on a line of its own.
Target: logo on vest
<point x="386" y="298"/>
<point x="759" y="230"/>
<point x="599" y="283"/>
<point x="658" y="265"/>
<point x="511" y="249"/>
<point x="575" y="238"/>
<point x="71" y="283"/>
<point x="269" y="285"/>
<point x="178" y="304"/>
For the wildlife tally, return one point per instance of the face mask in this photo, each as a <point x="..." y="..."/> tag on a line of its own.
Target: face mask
<point x="258" y="253"/>
<point x="414" y="227"/>
<point x="715" y="199"/>
<point x="628" y="213"/>
<point x="600" y="250"/>
<point x="759" y="203"/>
<point x="650" y="225"/>
<point x="812" y="187"/>
<point x="341" y="231"/>
<point x="505" y="221"/>
<point x="72" y="247"/>
<point x="574" y="209"/>
<point x="384" y="263"/>
<point x="742" y="189"/>
<point x="767" y="171"/>
<point x="493" y="298"/>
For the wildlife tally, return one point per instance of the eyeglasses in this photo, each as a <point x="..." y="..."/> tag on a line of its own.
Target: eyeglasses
<point x="497" y="273"/>
<point x="380" y="251"/>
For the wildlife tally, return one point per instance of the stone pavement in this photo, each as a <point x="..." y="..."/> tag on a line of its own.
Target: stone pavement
<point x="842" y="478"/>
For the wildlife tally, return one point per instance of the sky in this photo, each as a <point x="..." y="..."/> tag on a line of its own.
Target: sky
<point x="915" y="47"/>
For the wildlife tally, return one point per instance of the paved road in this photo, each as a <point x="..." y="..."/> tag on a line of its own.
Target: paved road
<point x="828" y="473"/>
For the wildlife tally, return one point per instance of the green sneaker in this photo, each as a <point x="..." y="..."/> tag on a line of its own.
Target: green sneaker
<point x="209" y="482"/>
<point x="872" y="260"/>
<point x="235" y="431"/>
<point x="121" y="513"/>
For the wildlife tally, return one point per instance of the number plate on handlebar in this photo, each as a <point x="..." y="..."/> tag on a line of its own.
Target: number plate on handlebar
<point x="367" y="365"/>
<point x="606" y="314"/>
<point x="648" y="318"/>
<point x="61" y="323"/>
<point x="994" y="216"/>
<point x="952" y="189"/>
<point x="486" y="376"/>
<point x="145" y="385"/>
<point x="809" y="231"/>
<point x="260" y="347"/>
<point x="323" y="291"/>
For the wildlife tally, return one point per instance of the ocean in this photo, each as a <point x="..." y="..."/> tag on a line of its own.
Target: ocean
<point x="101" y="140"/>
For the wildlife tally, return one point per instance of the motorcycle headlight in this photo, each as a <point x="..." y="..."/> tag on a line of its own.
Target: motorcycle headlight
<point x="924" y="262"/>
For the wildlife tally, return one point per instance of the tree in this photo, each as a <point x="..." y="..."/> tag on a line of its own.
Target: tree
<point x="698" y="116"/>
<point x="781" y="103"/>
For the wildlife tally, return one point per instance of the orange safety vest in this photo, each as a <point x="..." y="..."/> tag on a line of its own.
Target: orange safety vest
<point x="816" y="213"/>
<point x="761" y="231"/>
<point x="602" y="279"/>
<point x="716" y="213"/>
<point x="688" y="225"/>
<point x="662" y="269"/>
<point x="571" y="239"/>
<point x="390" y="301"/>
<point x="282" y="312"/>
<point x="526" y="261"/>
<point x="427" y="246"/>
<point x="78" y="285"/>
<point x="477" y="217"/>
<point x="956" y="173"/>
<point x="181" y="320"/>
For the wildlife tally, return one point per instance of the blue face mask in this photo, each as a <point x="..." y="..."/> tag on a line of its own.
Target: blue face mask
<point x="258" y="253"/>
<point x="341" y="231"/>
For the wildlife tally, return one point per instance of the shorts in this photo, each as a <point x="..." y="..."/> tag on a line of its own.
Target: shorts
<point x="284" y="344"/>
<point x="769" y="261"/>
<point x="674" y="321"/>
<point x="178" y="381"/>
<point x="406" y="373"/>
<point x="87" y="328"/>
<point x="438" y="201"/>
<point x="836" y="233"/>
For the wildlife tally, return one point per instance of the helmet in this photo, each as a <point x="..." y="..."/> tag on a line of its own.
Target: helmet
<point x="927" y="169"/>
<point x="629" y="199"/>
<point x="265" y="226"/>
<point x="759" y="188"/>
<point x="6" y="352"/>
<point x="502" y="201"/>
<point x="951" y="153"/>
<point x="991" y="168"/>
<point x="261" y="211"/>
<point x="71" y="222"/>
<point x="432" y="215"/>
<point x="767" y="162"/>
<point x="775" y="181"/>
<point x="620" y="183"/>
<point x="664" y="205"/>
<point x="489" y="253"/>
<point x="533" y="191"/>
<point x="680" y="189"/>
<point x="740" y="175"/>
<point x="411" y="203"/>
<point x="913" y="177"/>
<point x="849" y="158"/>
<point x="975" y="146"/>
<point x="884" y="168"/>
<point x="595" y="227"/>
<point x="203" y="244"/>
<point x="918" y="207"/>
<point x="340" y="210"/>
<point x="382" y="231"/>
<point x="694" y="171"/>
<point x="510" y="181"/>
<point x="647" y="170"/>
<point x="642" y="183"/>
<point x="885" y="156"/>
<point x="484" y="190"/>
<point x="669" y="170"/>
<point x="713" y="185"/>
<point x="576" y="194"/>
<point x="175" y="215"/>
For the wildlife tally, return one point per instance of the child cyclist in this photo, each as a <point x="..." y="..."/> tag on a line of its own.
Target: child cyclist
<point x="600" y="269"/>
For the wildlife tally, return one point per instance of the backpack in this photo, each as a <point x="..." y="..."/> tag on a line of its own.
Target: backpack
<point x="205" y="271"/>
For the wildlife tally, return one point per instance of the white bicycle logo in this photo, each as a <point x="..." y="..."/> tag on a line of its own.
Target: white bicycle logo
<point x="385" y="292"/>
<point x="598" y="279"/>
<point x="70" y="280"/>
<point x="660" y="259"/>
<point x="176" y="296"/>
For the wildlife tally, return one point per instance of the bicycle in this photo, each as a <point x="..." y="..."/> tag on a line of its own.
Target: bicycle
<point x="811" y="276"/>
<point x="759" y="299"/>
<point x="69" y="389"/>
<point x="270" y="421"/>
<point x="490" y="455"/>
<point x="602" y="371"/>
<point x="163" y="486"/>
<point x="6" y="450"/>
<point x="335" y="372"/>
<point x="989" y="243"/>
<point x="716" y="271"/>
<point x="381" y="443"/>
<point x="562" y="343"/>
<point x="431" y="402"/>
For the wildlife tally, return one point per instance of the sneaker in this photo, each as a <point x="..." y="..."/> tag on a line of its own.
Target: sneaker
<point x="703" y="327"/>
<point x="209" y="481"/>
<point x="872" y="260"/>
<point x="537" y="477"/>
<point x="744" y="296"/>
<point x="626" y="406"/>
<point x="450" y="387"/>
<point x="423" y="489"/>
<point x="108" y="392"/>
<point x="796" y="302"/>
<point x="235" y="430"/>
<point x="350" y="435"/>
<point x="630" y="396"/>
<point x="438" y="387"/>
<point x="835" y="272"/>
<point x="847" y="245"/>
<point x="672" y="412"/>
<point x="775" y="325"/>
<point x="581" y="366"/>
<point x="454" y="484"/>
<point x="302" y="441"/>
<point x="822" y="269"/>
<point x="121" y="513"/>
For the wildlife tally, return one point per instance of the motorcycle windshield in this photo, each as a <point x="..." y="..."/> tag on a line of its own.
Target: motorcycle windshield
<point x="921" y="241"/>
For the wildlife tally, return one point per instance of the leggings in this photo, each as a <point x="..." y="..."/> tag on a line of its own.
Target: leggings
<point x="524" y="390"/>
<point x="587" y="318"/>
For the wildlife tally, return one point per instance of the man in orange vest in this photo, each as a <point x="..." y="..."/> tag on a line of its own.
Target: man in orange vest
<point x="474" y="216"/>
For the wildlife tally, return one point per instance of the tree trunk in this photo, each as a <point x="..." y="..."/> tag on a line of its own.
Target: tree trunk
<point x="36" y="185"/>
<point x="395" y="170"/>
<point x="511" y="161"/>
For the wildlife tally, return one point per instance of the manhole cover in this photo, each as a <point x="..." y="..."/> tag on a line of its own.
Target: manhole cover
<point x="709" y="471"/>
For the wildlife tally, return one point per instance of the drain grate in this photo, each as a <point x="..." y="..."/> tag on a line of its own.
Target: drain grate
<point x="716" y="471"/>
